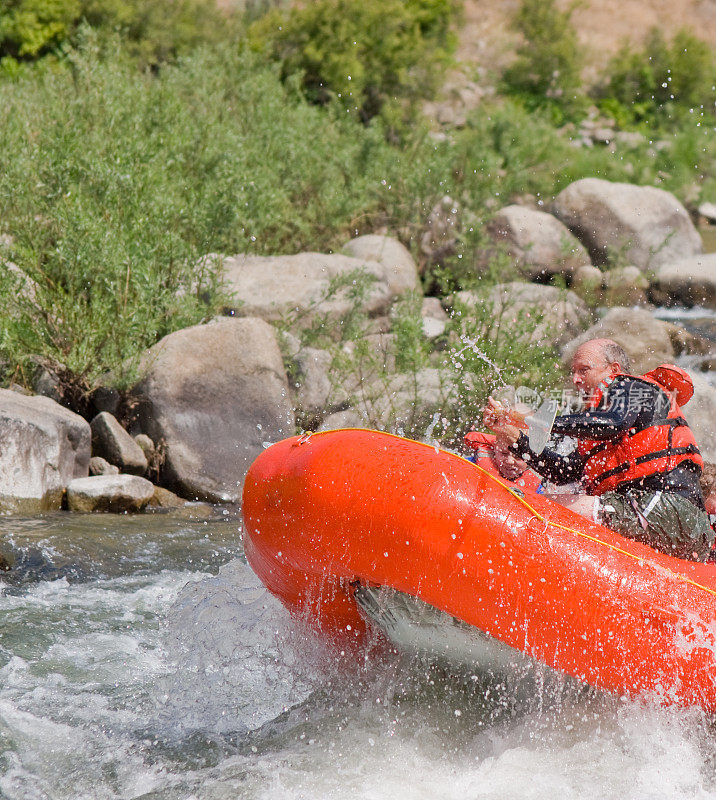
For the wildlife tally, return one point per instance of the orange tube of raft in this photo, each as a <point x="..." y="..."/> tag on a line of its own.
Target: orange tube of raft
<point x="326" y="510"/>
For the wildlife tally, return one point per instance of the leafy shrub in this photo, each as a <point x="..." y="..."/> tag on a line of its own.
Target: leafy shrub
<point x="29" y="28"/>
<point x="652" y="83"/>
<point x="365" y="53"/>
<point x="417" y="387"/>
<point x="114" y="184"/>
<point x="548" y="64"/>
<point x="491" y="346"/>
<point x="154" y="30"/>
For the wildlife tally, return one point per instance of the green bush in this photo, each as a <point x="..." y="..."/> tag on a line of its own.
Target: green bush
<point x="547" y="69"/>
<point x="661" y="79"/>
<point x="491" y="345"/>
<point x="486" y="345"/>
<point x="153" y="30"/>
<point x="31" y="28"/>
<point x="115" y="183"/>
<point x="367" y="54"/>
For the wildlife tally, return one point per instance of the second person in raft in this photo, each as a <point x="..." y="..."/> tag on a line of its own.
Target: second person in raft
<point x="635" y="452"/>
<point x="501" y="461"/>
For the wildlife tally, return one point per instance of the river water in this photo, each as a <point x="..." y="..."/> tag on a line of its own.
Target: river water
<point x="140" y="658"/>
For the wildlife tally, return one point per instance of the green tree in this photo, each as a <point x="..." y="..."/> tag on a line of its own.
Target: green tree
<point x="154" y="31"/>
<point x="365" y="53"/>
<point x="660" y="78"/>
<point x="549" y="60"/>
<point x="31" y="28"/>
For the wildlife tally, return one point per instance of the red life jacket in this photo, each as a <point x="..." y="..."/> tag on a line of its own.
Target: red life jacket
<point x="482" y="445"/>
<point x="657" y="448"/>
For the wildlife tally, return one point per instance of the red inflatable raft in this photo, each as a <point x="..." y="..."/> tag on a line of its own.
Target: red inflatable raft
<point x="328" y="512"/>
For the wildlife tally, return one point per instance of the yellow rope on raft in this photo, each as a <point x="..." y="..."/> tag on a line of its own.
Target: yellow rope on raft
<point x="576" y="531"/>
<point x="306" y="436"/>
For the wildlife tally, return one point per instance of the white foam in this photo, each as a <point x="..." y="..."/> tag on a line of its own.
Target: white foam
<point x="175" y="685"/>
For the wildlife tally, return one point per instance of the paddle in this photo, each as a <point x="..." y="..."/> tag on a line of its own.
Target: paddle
<point x="539" y="425"/>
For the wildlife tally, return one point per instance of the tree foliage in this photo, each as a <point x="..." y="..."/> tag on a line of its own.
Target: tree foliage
<point x="367" y="54"/>
<point x="549" y="60"/>
<point x="153" y="30"/>
<point x="29" y="28"/>
<point x="115" y="183"/>
<point x="660" y="78"/>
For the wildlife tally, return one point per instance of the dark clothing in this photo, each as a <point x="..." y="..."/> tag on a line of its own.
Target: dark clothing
<point x="666" y="521"/>
<point x="628" y="403"/>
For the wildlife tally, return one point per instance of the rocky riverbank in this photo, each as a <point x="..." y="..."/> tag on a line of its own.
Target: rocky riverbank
<point x="595" y="262"/>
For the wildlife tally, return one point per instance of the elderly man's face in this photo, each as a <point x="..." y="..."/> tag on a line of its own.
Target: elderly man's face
<point x="590" y="368"/>
<point x="507" y="463"/>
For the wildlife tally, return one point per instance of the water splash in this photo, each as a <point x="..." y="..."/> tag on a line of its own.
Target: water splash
<point x="234" y="651"/>
<point x="472" y="346"/>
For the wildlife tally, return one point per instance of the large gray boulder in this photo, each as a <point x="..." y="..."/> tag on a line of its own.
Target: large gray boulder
<point x="686" y="343"/>
<point x="646" y="340"/>
<point x="213" y="394"/>
<point x="401" y="272"/>
<point x="434" y="318"/>
<point x="348" y="418"/>
<point x="687" y="280"/>
<point x="111" y="442"/>
<point x="163" y="498"/>
<point x="540" y="245"/>
<point x="700" y="413"/>
<point x="589" y="282"/>
<point x="273" y="287"/>
<point x="647" y="226"/>
<point x="116" y="493"/>
<point x="400" y="403"/>
<point x="439" y="240"/>
<point x="625" y="286"/>
<point x="323" y="382"/>
<point x="44" y="447"/>
<point x="312" y="381"/>
<point x="100" y="466"/>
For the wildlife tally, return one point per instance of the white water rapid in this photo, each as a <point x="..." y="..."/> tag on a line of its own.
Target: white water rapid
<point x="170" y="673"/>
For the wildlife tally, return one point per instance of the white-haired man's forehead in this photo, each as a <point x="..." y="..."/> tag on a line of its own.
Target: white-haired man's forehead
<point x="605" y="350"/>
<point x="592" y="348"/>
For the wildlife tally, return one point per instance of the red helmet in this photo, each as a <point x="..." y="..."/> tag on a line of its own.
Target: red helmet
<point x="673" y="379"/>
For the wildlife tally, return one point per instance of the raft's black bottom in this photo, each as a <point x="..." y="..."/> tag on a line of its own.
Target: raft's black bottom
<point x="418" y="628"/>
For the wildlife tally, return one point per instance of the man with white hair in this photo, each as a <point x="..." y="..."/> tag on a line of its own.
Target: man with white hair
<point x="635" y="451"/>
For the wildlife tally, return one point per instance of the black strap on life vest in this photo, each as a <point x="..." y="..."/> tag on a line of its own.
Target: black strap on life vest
<point x="600" y="448"/>
<point x="689" y="449"/>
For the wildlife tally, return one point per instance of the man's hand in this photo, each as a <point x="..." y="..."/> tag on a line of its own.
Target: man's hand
<point x="501" y="420"/>
<point x="496" y="415"/>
